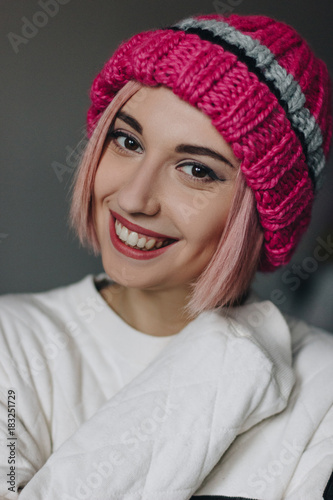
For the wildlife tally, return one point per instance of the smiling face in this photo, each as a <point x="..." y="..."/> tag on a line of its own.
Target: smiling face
<point x="164" y="169"/>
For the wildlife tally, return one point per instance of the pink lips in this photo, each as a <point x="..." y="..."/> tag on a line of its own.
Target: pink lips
<point x="133" y="252"/>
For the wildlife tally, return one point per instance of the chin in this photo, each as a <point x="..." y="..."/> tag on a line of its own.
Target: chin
<point x="125" y="276"/>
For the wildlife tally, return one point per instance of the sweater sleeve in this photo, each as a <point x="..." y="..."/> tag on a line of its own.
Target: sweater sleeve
<point x="176" y="411"/>
<point x="315" y="467"/>
<point x="313" y="476"/>
<point x="25" y="436"/>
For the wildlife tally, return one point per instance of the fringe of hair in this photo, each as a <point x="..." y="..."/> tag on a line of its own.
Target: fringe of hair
<point x="226" y="279"/>
<point x="82" y="186"/>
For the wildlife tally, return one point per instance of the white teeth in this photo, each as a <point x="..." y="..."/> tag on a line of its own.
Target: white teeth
<point x="141" y="243"/>
<point x="118" y="228"/>
<point x="132" y="238"/>
<point x="123" y="233"/>
<point x="150" y="243"/>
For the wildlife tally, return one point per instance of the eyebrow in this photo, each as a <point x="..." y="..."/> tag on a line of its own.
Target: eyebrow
<point x="181" y="148"/>
<point x="202" y="151"/>
<point x="130" y="121"/>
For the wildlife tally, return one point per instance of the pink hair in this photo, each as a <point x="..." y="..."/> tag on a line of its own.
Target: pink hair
<point x="80" y="215"/>
<point x="226" y="279"/>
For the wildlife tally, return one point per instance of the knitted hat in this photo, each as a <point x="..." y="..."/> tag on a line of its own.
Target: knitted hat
<point x="265" y="92"/>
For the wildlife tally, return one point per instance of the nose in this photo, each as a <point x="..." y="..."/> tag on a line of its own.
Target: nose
<point x="140" y="192"/>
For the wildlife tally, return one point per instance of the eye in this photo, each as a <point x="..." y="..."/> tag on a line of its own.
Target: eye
<point x="125" y="141"/>
<point x="198" y="172"/>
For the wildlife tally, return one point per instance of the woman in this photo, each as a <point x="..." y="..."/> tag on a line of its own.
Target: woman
<point x="165" y="377"/>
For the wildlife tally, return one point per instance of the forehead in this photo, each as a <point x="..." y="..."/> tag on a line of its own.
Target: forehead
<point x="158" y="110"/>
<point x="162" y="103"/>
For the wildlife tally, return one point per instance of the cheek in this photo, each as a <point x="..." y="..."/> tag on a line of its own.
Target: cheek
<point x="102" y="180"/>
<point x="108" y="180"/>
<point x="100" y="192"/>
<point x="209" y="230"/>
<point x="110" y="176"/>
<point x="204" y="219"/>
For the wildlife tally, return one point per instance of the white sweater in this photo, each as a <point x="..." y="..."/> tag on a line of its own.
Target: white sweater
<point x="69" y="360"/>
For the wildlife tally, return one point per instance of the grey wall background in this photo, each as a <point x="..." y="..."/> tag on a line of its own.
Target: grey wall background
<point x="44" y="99"/>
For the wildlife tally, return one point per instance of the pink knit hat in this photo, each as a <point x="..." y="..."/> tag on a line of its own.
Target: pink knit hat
<point x="265" y="92"/>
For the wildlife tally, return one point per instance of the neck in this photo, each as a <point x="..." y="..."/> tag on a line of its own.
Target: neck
<point x="159" y="313"/>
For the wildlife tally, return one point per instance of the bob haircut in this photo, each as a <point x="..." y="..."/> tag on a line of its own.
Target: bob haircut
<point x="226" y="279"/>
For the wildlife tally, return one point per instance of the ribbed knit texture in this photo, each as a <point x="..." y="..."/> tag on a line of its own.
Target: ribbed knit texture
<point x="276" y="116"/>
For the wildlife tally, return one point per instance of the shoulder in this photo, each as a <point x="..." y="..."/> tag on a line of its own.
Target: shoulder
<point x="312" y="347"/>
<point x="307" y="348"/>
<point x="40" y="335"/>
<point x="31" y="309"/>
<point x="292" y="447"/>
<point x="308" y="343"/>
<point x="312" y="355"/>
<point x="32" y="323"/>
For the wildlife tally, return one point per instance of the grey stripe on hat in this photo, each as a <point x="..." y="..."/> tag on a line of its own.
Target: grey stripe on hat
<point x="290" y="91"/>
